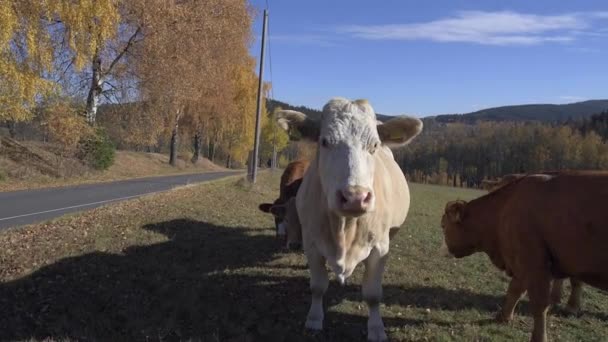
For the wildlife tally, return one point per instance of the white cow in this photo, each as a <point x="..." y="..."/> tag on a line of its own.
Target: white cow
<point x="352" y="195"/>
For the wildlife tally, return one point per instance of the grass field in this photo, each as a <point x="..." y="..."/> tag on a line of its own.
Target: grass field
<point x="201" y="263"/>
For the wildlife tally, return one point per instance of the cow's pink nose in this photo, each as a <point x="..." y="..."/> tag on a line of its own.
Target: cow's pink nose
<point x="354" y="199"/>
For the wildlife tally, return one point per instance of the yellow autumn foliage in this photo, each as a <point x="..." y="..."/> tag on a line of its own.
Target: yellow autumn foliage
<point x="31" y="36"/>
<point x="272" y="135"/>
<point x="64" y="124"/>
<point x="239" y="119"/>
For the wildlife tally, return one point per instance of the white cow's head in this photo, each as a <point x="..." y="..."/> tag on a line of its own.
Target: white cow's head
<point x="348" y="136"/>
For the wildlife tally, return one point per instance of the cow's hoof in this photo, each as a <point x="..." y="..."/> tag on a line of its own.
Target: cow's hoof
<point x="376" y="334"/>
<point x="502" y="319"/>
<point x="315" y="325"/>
<point x="571" y="310"/>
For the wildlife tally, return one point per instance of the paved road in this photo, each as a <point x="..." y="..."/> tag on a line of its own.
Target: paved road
<point x="30" y="206"/>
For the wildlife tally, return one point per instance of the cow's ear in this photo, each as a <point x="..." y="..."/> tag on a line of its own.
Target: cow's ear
<point x="399" y="131"/>
<point x="455" y="211"/>
<point x="265" y="207"/>
<point x="298" y="125"/>
<point x="278" y="209"/>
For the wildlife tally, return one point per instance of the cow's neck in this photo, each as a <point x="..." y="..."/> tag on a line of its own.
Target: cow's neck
<point x="344" y="236"/>
<point x="343" y="232"/>
<point x="484" y="221"/>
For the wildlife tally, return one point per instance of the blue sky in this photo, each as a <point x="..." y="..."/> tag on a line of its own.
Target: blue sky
<point x="433" y="57"/>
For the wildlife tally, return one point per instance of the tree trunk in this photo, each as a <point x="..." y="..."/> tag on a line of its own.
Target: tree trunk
<point x="212" y="149"/>
<point x="97" y="78"/>
<point x="173" y="148"/>
<point x="198" y="142"/>
<point x="174" y="141"/>
<point x="229" y="162"/>
<point x="12" y="129"/>
<point x="95" y="90"/>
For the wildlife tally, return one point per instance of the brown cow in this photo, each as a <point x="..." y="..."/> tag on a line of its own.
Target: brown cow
<point x="574" y="301"/>
<point x="288" y="188"/>
<point x="538" y="228"/>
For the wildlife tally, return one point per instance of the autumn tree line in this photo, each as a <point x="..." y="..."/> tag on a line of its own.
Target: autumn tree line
<point x="461" y="154"/>
<point x="170" y="76"/>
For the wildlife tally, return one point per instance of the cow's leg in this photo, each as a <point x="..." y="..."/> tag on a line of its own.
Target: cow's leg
<point x="539" y="288"/>
<point x="318" y="285"/>
<point x="372" y="294"/>
<point x="556" y="291"/>
<point x="514" y="293"/>
<point x="574" y="302"/>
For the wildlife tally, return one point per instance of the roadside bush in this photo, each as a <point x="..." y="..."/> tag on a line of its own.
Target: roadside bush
<point x="97" y="150"/>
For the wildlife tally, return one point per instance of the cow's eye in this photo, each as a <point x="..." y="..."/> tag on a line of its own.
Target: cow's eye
<point x="324" y="142"/>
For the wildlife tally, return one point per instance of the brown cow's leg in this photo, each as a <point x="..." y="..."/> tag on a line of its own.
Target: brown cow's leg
<point x="372" y="294"/>
<point x="514" y="292"/>
<point x="556" y="291"/>
<point x="318" y="285"/>
<point x="539" y="287"/>
<point x="574" y="302"/>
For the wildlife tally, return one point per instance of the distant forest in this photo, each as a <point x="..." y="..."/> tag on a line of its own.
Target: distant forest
<point x="463" y="150"/>
<point x="461" y="154"/>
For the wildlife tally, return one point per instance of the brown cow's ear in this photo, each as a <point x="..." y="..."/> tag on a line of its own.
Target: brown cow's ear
<point x="455" y="211"/>
<point x="265" y="207"/>
<point x="278" y="209"/>
<point x="399" y="131"/>
<point x="298" y="125"/>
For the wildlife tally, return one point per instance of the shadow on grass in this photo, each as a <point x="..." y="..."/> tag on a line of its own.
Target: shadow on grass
<point x="193" y="287"/>
<point x="190" y="287"/>
<point x="439" y="298"/>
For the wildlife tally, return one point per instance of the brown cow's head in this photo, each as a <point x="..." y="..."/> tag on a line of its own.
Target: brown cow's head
<point x="348" y="137"/>
<point x="278" y="219"/>
<point x="458" y="238"/>
<point x="290" y="223"/>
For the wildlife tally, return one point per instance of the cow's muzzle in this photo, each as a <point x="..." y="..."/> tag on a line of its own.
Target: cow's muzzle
<point x="354" y="200"/>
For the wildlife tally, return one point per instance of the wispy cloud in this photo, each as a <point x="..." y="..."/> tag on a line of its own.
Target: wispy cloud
<point x="303" y="39"/>
<point x="487" y="28"/>
<point x="603" y="14"/>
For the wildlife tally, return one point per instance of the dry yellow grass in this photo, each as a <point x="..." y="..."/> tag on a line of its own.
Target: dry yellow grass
<point x="36" y="165"/>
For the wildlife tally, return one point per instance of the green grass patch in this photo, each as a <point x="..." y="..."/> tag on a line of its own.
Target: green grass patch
<point x="201" y="263"/>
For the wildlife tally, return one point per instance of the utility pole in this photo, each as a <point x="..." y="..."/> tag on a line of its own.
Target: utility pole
<point x="256" y="143"/>
<point x="274" y="143"/>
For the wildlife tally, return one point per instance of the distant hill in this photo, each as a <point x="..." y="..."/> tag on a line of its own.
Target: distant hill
<point x="531" y="112"/>
<point x="313" y="113"/>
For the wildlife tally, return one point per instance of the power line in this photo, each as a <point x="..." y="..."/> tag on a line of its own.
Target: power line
<point x="269" y="56"/>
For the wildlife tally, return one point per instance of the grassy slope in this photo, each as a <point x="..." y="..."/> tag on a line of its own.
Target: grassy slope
<point x="42" y="166"/>
<point x="202" y="263"/>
